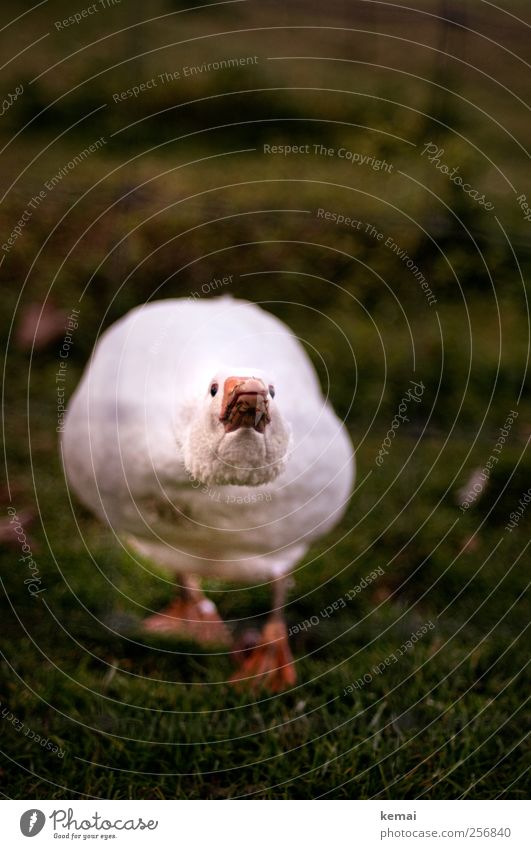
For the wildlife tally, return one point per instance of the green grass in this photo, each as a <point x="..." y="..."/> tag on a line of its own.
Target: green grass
<point x="156" y="719"/>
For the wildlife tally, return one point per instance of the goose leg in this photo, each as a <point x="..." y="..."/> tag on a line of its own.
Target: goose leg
<point x="269" y="665"/>
<point x="191" y="615"/>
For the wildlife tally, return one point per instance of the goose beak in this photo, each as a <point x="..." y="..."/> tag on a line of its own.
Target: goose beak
<point x="244" y="404"/>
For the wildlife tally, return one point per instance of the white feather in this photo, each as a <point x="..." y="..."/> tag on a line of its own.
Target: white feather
<point x="144" y="449"/>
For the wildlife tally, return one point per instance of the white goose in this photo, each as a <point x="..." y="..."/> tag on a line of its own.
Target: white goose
<point x="200" y="434"/>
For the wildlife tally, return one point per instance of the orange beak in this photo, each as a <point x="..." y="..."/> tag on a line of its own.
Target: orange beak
<point x="244" y="404"/>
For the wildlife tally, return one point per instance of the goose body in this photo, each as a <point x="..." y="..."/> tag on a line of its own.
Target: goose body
<point x="173" y="437"/>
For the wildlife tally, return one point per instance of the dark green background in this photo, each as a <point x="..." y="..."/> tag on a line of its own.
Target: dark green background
<point x="168" y="204"/>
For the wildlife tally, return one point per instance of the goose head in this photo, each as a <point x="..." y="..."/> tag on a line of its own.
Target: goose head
<point x="236" y="432"/>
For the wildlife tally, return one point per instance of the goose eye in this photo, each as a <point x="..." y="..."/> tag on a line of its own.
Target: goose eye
<point x="271" y="390"/>
<point x="213" y="389"/>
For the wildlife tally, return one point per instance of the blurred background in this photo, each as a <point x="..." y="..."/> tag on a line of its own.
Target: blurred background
<point x="148" y="151"/>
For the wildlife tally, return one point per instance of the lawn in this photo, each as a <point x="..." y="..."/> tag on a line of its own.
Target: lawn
<point x="416" y="685"/>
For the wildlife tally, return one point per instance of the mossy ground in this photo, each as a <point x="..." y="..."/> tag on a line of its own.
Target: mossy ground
<point x="139" y="719"/>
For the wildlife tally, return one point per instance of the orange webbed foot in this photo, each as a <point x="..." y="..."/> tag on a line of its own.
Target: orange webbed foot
<point x="269" y="665"/>
<point x="193" y="619"/>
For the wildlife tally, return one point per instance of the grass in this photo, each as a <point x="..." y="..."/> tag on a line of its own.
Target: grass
<point x="145" y="219"/>
<point x="157" y="720"/>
